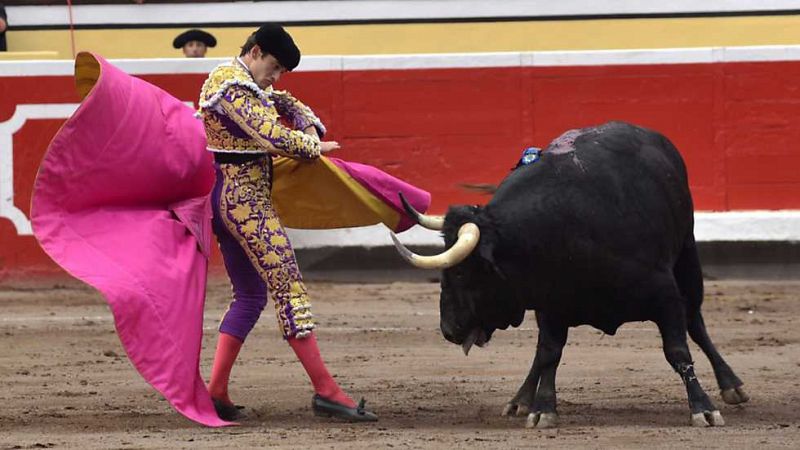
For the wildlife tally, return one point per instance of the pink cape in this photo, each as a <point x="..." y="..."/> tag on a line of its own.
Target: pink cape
<point x="121" y="202"/>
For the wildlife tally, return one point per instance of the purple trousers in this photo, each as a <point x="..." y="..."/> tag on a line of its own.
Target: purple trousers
<point x="257" y="254"/>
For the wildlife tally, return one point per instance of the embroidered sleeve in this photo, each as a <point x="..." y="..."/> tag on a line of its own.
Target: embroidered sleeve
<point x="258" y="119"/>
<point x="296" y="111"/>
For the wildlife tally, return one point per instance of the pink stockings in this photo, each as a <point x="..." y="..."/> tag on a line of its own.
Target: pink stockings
<point x="307" y="352"/>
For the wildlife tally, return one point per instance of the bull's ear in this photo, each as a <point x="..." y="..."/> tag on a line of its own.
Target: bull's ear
<point x="486" y="250"/>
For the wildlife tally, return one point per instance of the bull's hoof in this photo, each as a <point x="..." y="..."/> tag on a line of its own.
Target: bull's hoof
<point x="542" y="420"/>
<point x="708" y="419"/>
<point x="513" y="409"/>
<point x="734" y="396"/>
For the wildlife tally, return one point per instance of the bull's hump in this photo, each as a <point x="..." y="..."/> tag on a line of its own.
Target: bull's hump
<point x="564" y="143"/>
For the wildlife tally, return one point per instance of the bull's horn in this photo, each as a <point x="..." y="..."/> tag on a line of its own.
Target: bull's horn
<point x="429" y="222"/>
<point x="468" y="236"/>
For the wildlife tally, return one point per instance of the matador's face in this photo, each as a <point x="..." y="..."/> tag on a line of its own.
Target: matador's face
<point x="266" y="70"/>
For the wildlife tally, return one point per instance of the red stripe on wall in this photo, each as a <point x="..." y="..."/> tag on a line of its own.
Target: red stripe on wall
<point x="737" y="125"/>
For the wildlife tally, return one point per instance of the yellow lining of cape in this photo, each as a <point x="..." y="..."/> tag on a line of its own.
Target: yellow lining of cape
<point x="319" y="195"/>
<point x="87" y="72"/>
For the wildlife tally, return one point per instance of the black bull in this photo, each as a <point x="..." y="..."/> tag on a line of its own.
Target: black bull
<point x="599" y="231"/>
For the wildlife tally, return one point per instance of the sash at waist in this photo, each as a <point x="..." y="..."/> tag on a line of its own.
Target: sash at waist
<point x="237" y="158"/>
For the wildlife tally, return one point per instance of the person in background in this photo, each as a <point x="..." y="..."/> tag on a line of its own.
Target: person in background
<point x="194" y="43"/>
<point x="3" y="27"/>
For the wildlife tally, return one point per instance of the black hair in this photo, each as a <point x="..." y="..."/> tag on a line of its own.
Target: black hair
<point x="248" y="44"/>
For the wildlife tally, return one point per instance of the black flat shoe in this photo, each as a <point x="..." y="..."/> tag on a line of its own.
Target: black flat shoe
<point x="230" y="413"/>
<point x="329" y="408"/>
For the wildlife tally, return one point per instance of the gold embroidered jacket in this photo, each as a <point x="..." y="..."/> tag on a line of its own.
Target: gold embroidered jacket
<point x="240" y="117"/>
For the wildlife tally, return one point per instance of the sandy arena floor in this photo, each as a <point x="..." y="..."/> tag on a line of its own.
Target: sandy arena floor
<point x="67" y="382"/>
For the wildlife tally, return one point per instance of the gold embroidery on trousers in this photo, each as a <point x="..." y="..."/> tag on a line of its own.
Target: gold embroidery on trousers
<point x="246" y="209"/>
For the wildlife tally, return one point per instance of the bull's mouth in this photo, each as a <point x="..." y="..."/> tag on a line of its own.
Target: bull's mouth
<point x="475" y="337"/>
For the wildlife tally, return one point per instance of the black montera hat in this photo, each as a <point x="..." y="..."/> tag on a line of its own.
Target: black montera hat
<point x="194" y="35"/>
<point x="273" y="39"/>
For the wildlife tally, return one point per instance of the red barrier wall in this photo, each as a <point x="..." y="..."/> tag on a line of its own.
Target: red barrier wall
<point x="735" y="123"/>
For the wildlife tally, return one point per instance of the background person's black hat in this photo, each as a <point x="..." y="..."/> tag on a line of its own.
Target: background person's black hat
<point x="273" y="39"/>
<point x="194" y="35"/>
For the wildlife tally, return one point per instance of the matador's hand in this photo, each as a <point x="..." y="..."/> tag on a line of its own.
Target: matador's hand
<point x="328" y="146"/>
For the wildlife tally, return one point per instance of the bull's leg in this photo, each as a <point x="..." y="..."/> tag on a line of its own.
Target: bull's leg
<point x="689" y="277"/>
<point x="729" y="384"/>
<point x="672" y="325"/>
<point x="552" y="338"/>
<point x="521" y="404"/>
<point x="548" y="354"/>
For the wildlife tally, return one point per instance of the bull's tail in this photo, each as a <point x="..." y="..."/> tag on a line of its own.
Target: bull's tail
<point x="689" y="275"/>
<point x="481" y="188"/>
